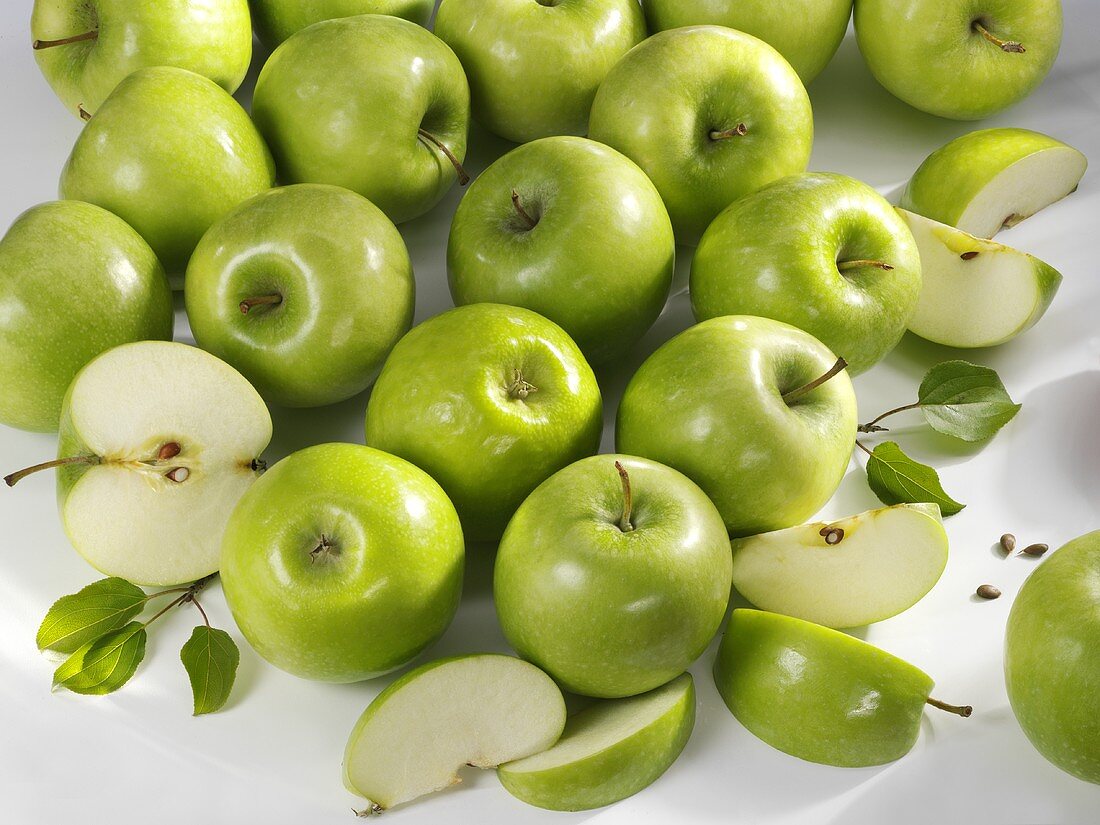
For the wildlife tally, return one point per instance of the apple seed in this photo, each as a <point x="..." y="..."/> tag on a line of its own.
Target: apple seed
<point x="833" y="535"/>
<point x="178" y="474"/>
<point x="1008" y="543"/>
<point x="1035" y="550"/>
<point x="988" y="591"/>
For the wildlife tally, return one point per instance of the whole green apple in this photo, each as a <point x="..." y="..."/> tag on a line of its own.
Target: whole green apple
<point x="491" y="401"/>
<point x="85" y="48"/>
<point x="276" y="20"/>
<point x="823" y="252"/>
<point x="342" y="563"/>
<point x="305" y="290"/>
<point x="613" y="576"/>
<point x="523" y="235"/>
<point x="534" y="66"/>
<point x="710" y="114"/>
<point x="756" y="412"/>
<point x="962" y="59"/>
<point x="372" y="103"/>
<point x="75" y="281"/>
<point x="170" y="153"/>
<point x="806" y="32"/>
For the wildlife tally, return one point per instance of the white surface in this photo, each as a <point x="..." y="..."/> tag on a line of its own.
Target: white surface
<point x="273" y="755"/>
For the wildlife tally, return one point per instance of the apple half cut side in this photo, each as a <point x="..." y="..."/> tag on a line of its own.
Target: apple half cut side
<point x="479" y="710"/>
<point x="976" y="292"/>
<point x="846" y="573"/>
<point x="608" y="752"/>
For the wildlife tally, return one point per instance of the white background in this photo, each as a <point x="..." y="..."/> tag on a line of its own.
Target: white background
<point x="273" y="755"/>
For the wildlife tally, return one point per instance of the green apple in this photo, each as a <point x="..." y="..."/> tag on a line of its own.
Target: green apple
<point x="1051" y="668"/>
<point x="976" y="292"/>
<point x="490" y="401"/>
<point x="616" y="549"/>
<point x="823" y="252"/>
<point x="535" y="65"/>
<point x="962" y="59"/>
<point x="305" y="290"/>
<point x="820" y="694"/>
<point x="607" y="752"/>
<point x="756" y="412"/>
<point x="523" y="235"/>
<point x="710" y="114"/>
<point x="807" y="34"/>
<point x="845" y="573"/>
<point x="993" y="178"/>
<point x="85" y="48"/>
<point x="277" y="20"/>
<point x="170" y="153"/>
<point x="75" y="281"/>
<point x="478" y="711"/>
<point x="342" y="563"/>
<point x="372" y="103"/>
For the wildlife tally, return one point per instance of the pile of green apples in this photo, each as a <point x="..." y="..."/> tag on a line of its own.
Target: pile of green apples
<point x="644" y="129"/>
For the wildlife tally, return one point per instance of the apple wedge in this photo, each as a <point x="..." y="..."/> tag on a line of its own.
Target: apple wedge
<point x="993" y="178"/>
<point x="976" y="292"/>
<point x="479" y="710"/>
<point x="846" y="573"/>
<point x="608" y="752"/>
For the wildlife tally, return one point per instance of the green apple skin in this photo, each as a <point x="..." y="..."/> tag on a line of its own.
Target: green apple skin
<point x="931" y="55"/>
<point x="775" y="253"/>
<point x="567" y="574"/>
<point x="1051" y="669"/>
<point x="605" y="289"/>
<point x="534" y="66"/>
<point x="807" y="34"/>
<point x="75" y="281"/>
<point x="709" y="403"/>
<point x="277" y="20"/>
<point x="170" y="153"/>
<point x="342" y="563"/>
<point x="817" y="693"/>
<point x="661" y="103"/>
<point x="339" y="105"/>
<point x="212" y="38"/>
<point x="344" y="282"/>
<point x="490" y="401"/>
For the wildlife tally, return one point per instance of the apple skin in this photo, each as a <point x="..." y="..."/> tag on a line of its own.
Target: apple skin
<point x="928" y="53"/>
<point x="605" y="289"/>
<point x="361" y="131"/>
<point x="346" y="291"/>
<point x="211" y="37"/>
<point x="277" y="20"/>
<point x="1051" y="669"/>
<point x="775" y="254"/>
<point x="534" y="66"/>
<point x="75" y="281"/>
<point x="807" y="34"/>
<point x="661" y="102"/>
<point x="567" y="575"/>
<point x="448" y="401"/>
<point x="385" y="589"/>
<point x="709" y="403"/>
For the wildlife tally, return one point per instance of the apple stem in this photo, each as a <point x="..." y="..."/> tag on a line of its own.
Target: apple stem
<point x="527" y="219"/>
<point x="845" y="266"/>
<point x="15" y="478"/>
<point x="959" y="710"/>
<point x="873" y="427"/>
<point x="725" y="134"/>
<point x="247" y="304"/>
<point x="628" y="500"/>
<point x="85" y="115"/>
<point x="463" y="177"/>
<point x="834" y="370"/>
<point x="519" y="388"/>
<point x="1011" y="46"/>
<point x="38" y="45"/>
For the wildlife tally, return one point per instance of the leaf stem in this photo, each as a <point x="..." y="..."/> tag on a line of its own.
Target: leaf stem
<point x="834" y="370"/>
<point x="205" y="618"/>
<point x="872" y="428"/>
<point x="175" y="602"/>
<point x="860" y="445"/>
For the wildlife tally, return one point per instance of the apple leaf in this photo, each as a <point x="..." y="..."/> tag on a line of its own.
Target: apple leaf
<point x="105" y="664"/>
<point x="83" y="617"/>
<point x="897" y="479"/>
<point x="965" y="400"/>
<point x="210" y="658"/>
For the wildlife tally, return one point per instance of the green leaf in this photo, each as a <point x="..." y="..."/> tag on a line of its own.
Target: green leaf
<point x="897" y="479"/>
<point x="965" y="400"/>
<point x="104" y="665"/>
<point x="210" y="657"/>
<point x="99" y="608"/>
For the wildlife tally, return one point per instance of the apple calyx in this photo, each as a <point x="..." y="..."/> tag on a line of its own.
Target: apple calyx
<point x="959" y="710"/>
<point x="523" y="214"/>
<point x="520" y="388"/>
<point x="625" y="523"/>
<point x="860" y="263"/>
<point x="1009" y="46"/>
<point x="834" y="370"/>
<point x="248" y="304"/>
<point x="832" y="535"/>
<point x="15" y="478"/>
<point x="463" y="176"/>
<point x="725" y="134"/>
<point x="38" y="45"/>
<point x="324" y="550"/>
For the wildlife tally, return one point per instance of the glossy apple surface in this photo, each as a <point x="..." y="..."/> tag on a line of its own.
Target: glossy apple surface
<point x="277" y="20"/>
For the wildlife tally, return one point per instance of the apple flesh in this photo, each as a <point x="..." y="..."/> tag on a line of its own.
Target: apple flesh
<point x="277" y="20"/>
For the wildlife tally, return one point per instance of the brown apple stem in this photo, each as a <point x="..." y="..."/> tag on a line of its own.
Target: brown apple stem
<point x="872" y="427"/>
<point x="527" y="219"/>
<point x="38" y="45"/>
<point x="959" y="710"/>
<point x="725" y="134"/>
<point x="845" y="266"/>
<point x="1011" y="46"/>
<point x="15" y="478"/>
<point x="834" y="370"/>
<point x="248" y="304"/>
<point x="520" y="388"/>
<point x="628" y="499"/>
<point x="85" y="115"/>
<point x="463" y="177"/>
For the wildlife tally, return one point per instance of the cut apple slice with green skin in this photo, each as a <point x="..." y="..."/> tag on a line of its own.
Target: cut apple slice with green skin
<point x="845" y="573"/>
<point x="608" y="752"/>
<point x="480" y="710"/>
<point x="976" y="292"/>
<point x="993" y="178"/>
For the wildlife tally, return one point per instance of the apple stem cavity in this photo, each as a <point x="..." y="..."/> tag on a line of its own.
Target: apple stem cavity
<point x="872" y="426"/>
<point x="959" y="710"/>
<point x="725" y="134"/>
<point x="523" y="214"/>
<point x="38" y="45"/>
<point x="846" y="266"/>
<point x="1010" y="46"/>
<point x="834" y="370"/>
<point x="248" y="304"/>
<point x="15" y="478"/>
<point x="625" y="523"/>
<point x="463" y="177"/>
<point x="520" y="388"/>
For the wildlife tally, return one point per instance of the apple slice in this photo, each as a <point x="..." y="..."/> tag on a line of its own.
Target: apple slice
<point x="993" y="178"/>
<point x="846" y="573"/>
<point x="608" y="752"/>
<point x="479" y="710"/>
<point x="976" y="293"/>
